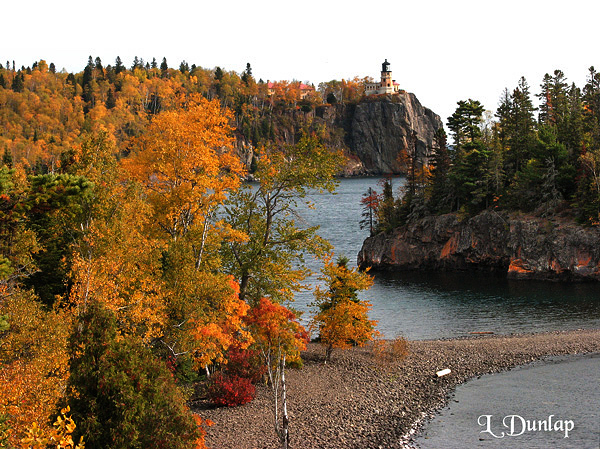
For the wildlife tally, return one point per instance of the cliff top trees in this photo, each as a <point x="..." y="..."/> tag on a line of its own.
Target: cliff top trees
<point x="464" y="123"/>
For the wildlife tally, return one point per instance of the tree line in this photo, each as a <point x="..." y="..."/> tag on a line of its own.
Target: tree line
<point x="543" y="160"/>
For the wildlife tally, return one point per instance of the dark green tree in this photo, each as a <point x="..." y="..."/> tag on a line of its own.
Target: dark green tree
<point x="440" y="195"/>
<point x="119" y="67"/>
<point x="464" y="123"/>
<point x="57" y="205"/>
<point x="120" y="394"/>
<point x="18" y="82"/>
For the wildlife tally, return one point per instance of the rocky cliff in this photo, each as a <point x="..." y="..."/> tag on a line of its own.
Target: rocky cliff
<point x="371" y="132"/>
<point x="376" y="129"/>
<point x="380" y="129"/>
<point x="522" y="247"/>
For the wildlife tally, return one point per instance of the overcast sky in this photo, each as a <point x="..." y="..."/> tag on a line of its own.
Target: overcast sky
<point x="443" y="51"/>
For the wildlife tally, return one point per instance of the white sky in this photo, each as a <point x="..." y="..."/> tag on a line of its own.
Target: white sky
<point x="443" y="51"/>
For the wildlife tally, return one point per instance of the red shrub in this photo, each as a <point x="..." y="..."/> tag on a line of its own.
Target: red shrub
<point x="230" y="390"/>
<point x="244" y="363"/>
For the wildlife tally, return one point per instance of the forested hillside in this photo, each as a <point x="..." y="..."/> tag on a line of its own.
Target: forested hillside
<point x="45" y="113"/>
<point x="137" y="272"/>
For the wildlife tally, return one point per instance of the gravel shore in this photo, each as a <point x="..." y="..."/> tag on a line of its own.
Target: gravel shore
<point x="355" y="402"/>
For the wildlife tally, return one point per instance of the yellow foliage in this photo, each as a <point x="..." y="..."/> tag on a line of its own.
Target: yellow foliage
<point x="59" y="436"/>
<point x="33" y="362"/>
<point x="342" y="319"/>
<point x="186" y="163"/>
<point x="346" y="324"/>
<point x="118" y="264"/>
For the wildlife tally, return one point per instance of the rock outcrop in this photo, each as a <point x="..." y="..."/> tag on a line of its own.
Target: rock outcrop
<point x="523" y="247"/>
<point x="381" y="127"/>
<point x="371" y="132"/>
<point x="375" y="130"/>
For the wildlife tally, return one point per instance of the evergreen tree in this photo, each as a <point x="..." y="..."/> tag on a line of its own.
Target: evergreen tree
<point x="120" y="395"/>
<point x="163" y="65"/>
<point x="520" y="127"/>
<point x="154" y="64"/>
<point x="464" y="123"/>
<point x="545" y="100"/>
<point x="136" y="64"/>
<point x="119" y="67"/>
<point x="52" y="68"/>
<point x="18" y="82"/>
<point x="110" y="99"/>
<point x="440" y="196"/>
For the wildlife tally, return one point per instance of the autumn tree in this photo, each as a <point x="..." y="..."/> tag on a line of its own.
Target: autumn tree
<point x="269" y="261"/>
<point x="342" y="318"/>
<point x="279" y="338"/>
<point x="186" y="165"/>
<point x="33" y="362"/>
<point x="370" y="203"/>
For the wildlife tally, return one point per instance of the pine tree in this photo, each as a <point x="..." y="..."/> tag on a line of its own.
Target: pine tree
<point x="119" y="67"/>
<point x="18" y="82"/>
<point x="120" y="395"/>
<point x="440" y="196"/>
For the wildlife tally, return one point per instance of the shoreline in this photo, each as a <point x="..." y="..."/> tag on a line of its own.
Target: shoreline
<point x="354" y="402"/>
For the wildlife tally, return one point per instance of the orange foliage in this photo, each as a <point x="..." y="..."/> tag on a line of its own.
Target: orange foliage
<point x="276" y="329"/>
<point x="186" y="163"/>
<point x="345" y="324"/>
<point x="33" y="362"/>
<point x="214" y="334"/>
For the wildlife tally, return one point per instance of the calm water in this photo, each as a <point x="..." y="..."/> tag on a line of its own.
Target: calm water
<point x="566" y="388"/>
<point x="436" y="305"/>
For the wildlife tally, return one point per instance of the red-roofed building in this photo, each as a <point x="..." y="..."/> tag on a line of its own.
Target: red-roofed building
<point x="304" y="89"/>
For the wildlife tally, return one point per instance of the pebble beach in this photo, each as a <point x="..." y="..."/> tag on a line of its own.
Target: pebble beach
<point x="356" y="401"/>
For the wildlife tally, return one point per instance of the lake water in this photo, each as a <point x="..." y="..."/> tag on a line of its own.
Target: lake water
<point x="504" y="410"/>
<point x="422" y="305"/>
<point x="426" y="305"/>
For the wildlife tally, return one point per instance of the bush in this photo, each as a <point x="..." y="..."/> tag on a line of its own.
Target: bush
<point x="230" y="391"/>
<point x="244" y="363"/>
<point x="389" y="352"/>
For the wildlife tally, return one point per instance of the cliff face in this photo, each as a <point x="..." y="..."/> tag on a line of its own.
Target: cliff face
<point x="521" y="247"/>
<point x="371" y="132"/>
<point x="380" y="129"/>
